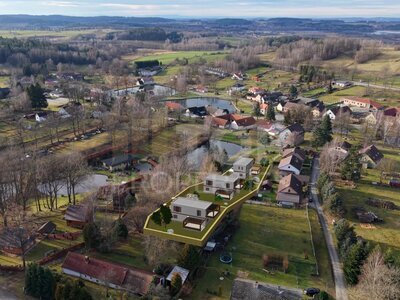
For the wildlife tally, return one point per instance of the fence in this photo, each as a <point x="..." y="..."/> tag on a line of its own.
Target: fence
<point x="60" y="254"/>
<point x="64" y="236"/>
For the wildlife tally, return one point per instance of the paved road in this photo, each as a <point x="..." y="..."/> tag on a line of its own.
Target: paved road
<point x="377" y="86"/>
<point x="4" y="295"/>
<point x="338" y="275"/>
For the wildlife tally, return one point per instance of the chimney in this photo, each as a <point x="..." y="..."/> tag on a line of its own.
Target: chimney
<point x="87" y="260"/>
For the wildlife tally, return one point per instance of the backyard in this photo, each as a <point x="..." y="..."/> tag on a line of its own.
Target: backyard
<point x="268" y="231"/>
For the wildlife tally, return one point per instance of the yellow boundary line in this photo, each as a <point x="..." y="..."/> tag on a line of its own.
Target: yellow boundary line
<point x="200" y="241"/>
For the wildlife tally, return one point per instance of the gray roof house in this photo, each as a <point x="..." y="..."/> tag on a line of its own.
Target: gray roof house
<point x="192" y="212"/>
<point x="290" y="191"/>
<point x="243" y="166"/>
<point x="224" y="186"/>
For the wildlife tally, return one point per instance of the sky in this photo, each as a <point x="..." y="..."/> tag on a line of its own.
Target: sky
<point x="206" y="8"/>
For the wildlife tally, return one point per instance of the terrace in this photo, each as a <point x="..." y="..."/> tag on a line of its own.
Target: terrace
<point x="197" y="231"/>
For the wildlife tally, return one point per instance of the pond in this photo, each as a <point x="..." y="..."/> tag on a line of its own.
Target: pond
<point x="156" y="90"/>
<point x="197" y="155"/>
<point x="209" y="101"/>
<point x="87" y="184"/>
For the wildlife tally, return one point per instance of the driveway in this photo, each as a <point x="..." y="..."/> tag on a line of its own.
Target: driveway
<point x="5" y="295"/>
<point x="338" y="275"/>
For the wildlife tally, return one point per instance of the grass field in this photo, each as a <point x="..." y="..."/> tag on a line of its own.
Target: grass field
<point x="170" y="139"/>
<point x="266" y="230"/>
<point x="193" y="56"/>
<point x="386" y="233"/>
<point x="4" y="81"/>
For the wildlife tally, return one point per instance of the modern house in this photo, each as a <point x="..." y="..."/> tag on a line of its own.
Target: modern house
<point x="78" y="215"/>
<point x="243" y="166"/>
<point x="370" y="156"/>
<point x="336" y="111"/>
<point x="292" y="135"/>
<point x="361" y="103"/>
<point x="290" y="191"/>
<point x="291" y="164"/>
<point x="222" y="185"/>
<point x="192" y="212"/>
<point x="116" y="276"/>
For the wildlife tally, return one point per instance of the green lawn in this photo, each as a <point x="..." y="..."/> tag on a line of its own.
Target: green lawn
<point x="4" y="81"/>
<point x="193" y="56"/>
<point x="265" y="230"/>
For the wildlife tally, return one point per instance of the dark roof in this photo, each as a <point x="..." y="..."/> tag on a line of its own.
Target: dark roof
<point x="297" y="150"/>
<point x="292" y="160"/>
<point x="296" y="127"/>
<point x="340" y="110"/>
<point x="78" y="213"/>
<point x="47" y="227"/>
<point x="118" y="160"/>
<point x="291" y="181"/>
<point x="345" y="145"/>
<point x="308" y="101"/>
<point x="320" y="107"/>
<point x="198" y="111"/>
<point x="373" y="153"/>
<point x="10" y="237"/>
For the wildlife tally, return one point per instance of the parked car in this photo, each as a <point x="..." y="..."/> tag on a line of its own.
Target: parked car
<point x="311" y="292"/>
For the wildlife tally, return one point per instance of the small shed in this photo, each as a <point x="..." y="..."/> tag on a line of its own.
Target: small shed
<point x="184" y="273"/>
<point x="47" y="228"/>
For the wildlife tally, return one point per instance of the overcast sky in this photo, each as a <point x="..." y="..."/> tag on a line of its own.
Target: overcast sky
<point x="206" y="8"/>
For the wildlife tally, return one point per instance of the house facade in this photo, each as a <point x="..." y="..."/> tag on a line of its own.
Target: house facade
<point x="292" y="135"/>
<point x="222" y="185"/>
<point x="192" y="212"/>
<point x="243" y="166"/>
<point x="291" y="164"/>
<point x="361" y="103"/>
<point x="370" y="156"/>
<point x="290" y="191"/>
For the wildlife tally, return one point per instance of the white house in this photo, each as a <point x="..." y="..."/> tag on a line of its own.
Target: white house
<point x="222" y="185"/>
<point x="243" y="166"/>
<point x="290" y="165"/>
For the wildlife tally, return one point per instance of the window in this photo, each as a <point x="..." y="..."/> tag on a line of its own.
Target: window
<point x="199" y="213"/>
<point x="228" y="186"/>
<point x="209" y="182"/>
<point x="175" y="216"/>
<point x="207" y="189"/>
<point x="177" y="209"/>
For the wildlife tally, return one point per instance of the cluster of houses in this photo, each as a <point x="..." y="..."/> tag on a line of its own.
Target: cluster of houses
<point x="292" y="185"/>
<point x="195" y="213"/>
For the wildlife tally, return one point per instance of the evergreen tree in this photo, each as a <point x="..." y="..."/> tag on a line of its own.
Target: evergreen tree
<point x="36" y="96"/>
<point x="323" y="133"/>
<point x="326" y="125"/>
<point x="270" y="114"/>
<point x="257" y="110"/>
<point x="351" y="166"/>
<point x="189" y="257"/>
<point x="293" y="91"/>
<point x="120" y="229"/>
<point x="166" y="214"/>
<point x="353" y="261"/>
<point x="156" y="217"/>
<point x="92" y="236"/>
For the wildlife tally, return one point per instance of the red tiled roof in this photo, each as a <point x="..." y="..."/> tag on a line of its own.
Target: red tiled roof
<point x="246" y="121"/>
<point x="95" y="268"/>
<point x="219" y="121"/>
<point x="173" y="105"/>
<point x="263" y="106"/>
